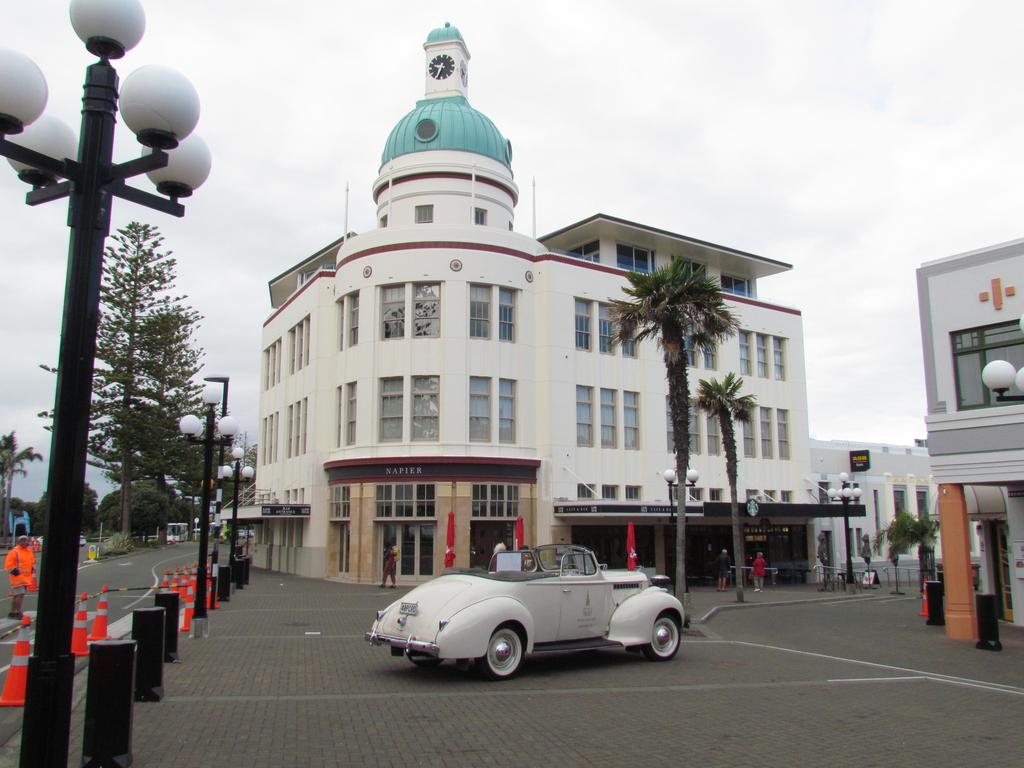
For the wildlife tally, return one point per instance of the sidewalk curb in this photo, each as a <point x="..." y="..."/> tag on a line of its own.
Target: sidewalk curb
<point x="710" y="614"/>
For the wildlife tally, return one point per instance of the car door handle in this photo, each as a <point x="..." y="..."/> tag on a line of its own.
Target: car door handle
<point x="566" y="590"/>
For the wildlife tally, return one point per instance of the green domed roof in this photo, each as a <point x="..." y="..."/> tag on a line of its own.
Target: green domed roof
<point x="448" y="123"/>
<point x="441" y="34"/>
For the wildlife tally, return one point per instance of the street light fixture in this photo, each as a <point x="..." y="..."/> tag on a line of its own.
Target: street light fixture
<point x="247" y="473"/>
<point x="196" y="431"/>
<point x="845" y="494"/>
<point x="671" y="479"/>
<point x="163" y="111"/>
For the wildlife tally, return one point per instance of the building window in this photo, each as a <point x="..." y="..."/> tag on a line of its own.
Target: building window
<point x="424" y="214"/>
<point x="605" y="343"/>
<point x="749" y="448"/>
<point x="506" y="411"/>
<point x="695" y="494"/>
<point x="588" y="252"/>
<point x="633" y="492"/>
<point x="391" y="392"/>
<point x="633" y="258"/>
<point x="506" y="314"/>
<point x="782" y="432"/>
<point x="786" y="497"/>
<point x="922" y="502"/>
<point x="479" y="409"/>
<point x="670" y="431"/>
<point x="341" y="323"/>
<point x="426" y="310"/>
<point x="695" y="441"/>
<point x="582" y="324"/>
<point x="899" y="499"/>
<point x="609" y="438"/>
<point x="631" y="420"/>
<point x="352" y="302"/>
<point x="972" y="350"/>
<point x="493" y="500"/>
<point x="584" y="416"/>
<point x="426" y="407"/>
<point x="628" y="347"/>
<point x="584" y="491"/>
<point x="714" y="439"/>
<point x="762" y="356"/>
<point x="393" y="311"/>
<point x="766" y="433"/>
<point x="350" y="416"/>
<point x="610" y="492"/>
<point x="480" y="311"/>
<point x="779" y="357"/>
<point x="714" y="494"/>
<point x="745" y="352"/>
<point x="341" y="502"/>
<point x="710" y="357"/>
<point x="298" y="339"/>
<point x="406" y="500"/>
<point x="736" y="285"/>
<point x="272" y="365"/>
<point x="480" y="216"/>
<point x="384" y="221"/>
<point x="340" y="417"/>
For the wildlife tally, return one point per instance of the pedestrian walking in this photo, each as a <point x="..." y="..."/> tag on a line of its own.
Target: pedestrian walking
<point x="390" y="565"/>
<point x="20" y="565"/>
<point x="758" y="570"/>
<point x="723" y="564"/>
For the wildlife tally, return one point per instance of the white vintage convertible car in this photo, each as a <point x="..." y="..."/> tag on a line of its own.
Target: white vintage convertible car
<point x="550" y="599"/>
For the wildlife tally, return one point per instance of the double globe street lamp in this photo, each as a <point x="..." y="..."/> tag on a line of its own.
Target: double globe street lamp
<point x="161" y="108"/>
<point x="236" y="471"/>
<point x="845" y="494"/>
<point x="207" y="432"/>
<point x="672" y="480"/>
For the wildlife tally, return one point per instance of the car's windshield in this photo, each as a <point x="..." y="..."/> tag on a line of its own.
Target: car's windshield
<point x="566" y="558"/>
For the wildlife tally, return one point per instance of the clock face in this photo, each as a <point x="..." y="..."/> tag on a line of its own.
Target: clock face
<point x="441" y="67"/>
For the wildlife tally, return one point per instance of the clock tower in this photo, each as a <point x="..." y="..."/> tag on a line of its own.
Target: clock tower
<point x="447" y="63"/>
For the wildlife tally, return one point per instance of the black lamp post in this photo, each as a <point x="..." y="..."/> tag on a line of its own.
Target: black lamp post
<point x="672" y="480"/>
<point x="221" y="474"/>
<point x="239" y="472"/>
<point x="161" y="107"/>
<point x="845" y="494"/>
<point x="204" y="434"/>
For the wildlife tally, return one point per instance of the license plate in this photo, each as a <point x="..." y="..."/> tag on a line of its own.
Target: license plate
<point x="409" y="609"/>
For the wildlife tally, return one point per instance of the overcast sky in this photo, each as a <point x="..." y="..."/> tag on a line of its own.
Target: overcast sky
<point x="854" y="140"/>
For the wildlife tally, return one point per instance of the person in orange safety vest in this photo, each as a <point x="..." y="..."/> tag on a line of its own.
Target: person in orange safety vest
<point x="20" y="564"/>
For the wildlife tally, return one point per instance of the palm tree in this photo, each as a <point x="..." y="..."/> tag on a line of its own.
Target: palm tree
<point x="903" y="532"/>
<point x="723" y="400"/>
<point x="12" y="460"/>
<point x="684" y="311"/>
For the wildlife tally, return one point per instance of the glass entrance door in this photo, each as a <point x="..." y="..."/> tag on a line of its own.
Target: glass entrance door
<point x="1003" y="585"/>
<point x="415" y="546"/>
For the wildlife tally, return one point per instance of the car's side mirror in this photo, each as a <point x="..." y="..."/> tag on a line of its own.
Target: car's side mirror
<point x="603" y="566"/>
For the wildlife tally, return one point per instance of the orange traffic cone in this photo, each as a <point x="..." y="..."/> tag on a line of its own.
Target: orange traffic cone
<point x="183" y="586"/>
<point x="190" y="609"/>
<point x="209" y="581"/>
<point x="164" y="584"/>
<point x="99" y="624"/>
<point x="924" y="599"/>
<point x="79" y="644"/>
<point x="17" y="674"/>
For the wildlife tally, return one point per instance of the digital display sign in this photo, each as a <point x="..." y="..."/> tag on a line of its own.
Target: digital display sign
<point x="860" y="461"/>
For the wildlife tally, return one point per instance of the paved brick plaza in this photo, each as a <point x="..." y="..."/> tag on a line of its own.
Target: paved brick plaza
<point x="759" y="686"/>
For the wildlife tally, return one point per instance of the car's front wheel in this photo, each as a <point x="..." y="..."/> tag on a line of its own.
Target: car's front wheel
<point x="665" y="636"/>
<point x="422" y="659"/>
<point x="504" y="654"/>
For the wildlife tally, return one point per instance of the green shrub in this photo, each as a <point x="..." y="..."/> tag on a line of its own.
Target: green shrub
<point x="119" y="544"/>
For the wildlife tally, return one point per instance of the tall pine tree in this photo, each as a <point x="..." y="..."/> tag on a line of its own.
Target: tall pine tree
<point x="146" y="364"/>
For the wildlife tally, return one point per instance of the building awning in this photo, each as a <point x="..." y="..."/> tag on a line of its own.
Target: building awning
<point x="707" y="509"/>
<point x="986" y="502"/>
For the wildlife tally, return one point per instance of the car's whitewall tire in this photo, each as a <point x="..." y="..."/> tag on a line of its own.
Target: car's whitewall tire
<point x="504" y="654"/>
<point x="665" y="637"/>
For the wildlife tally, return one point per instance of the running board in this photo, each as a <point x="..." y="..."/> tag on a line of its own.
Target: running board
<point x="588" y="644"/>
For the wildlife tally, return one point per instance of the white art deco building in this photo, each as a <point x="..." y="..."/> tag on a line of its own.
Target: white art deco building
<point x="444" y="363"/>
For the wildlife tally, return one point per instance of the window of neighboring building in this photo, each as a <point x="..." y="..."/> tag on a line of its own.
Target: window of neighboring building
<point x="744" y="337"/>
<point x="584" y="416"/>
<point x="749" y="445"/>
<point x="426" y="407"/>
<point x="391" y="407"/>
<point x="609" y="436"/>
<point x="393" y="311"/>
<point x="972" y="350"/>
<point x="610" y="492"/>
<point x="631" y="420"/>
<point x="922" y="502"/>
<point x="584" y="491"/>
<point x="782" y="432"/>
<point x="479" y="409"/>
<point x="480" y="216"/>
<point x="426" y="310"/>
<point x="605" y="343"/>
<point x="633" y="492"/>
<point x="779" y="357"/>
<point x="506" y="411"/>
<point x="506" y="314"/>
<point x="696" y="494"/>
<point x="786" y="497"/>
<point x="479" y="311"/>
<point x="739" y="286"/>
<point x="424" y="214"/>
<point x="632" y="258"/>
<point x="350" y="415"/>
<point x="766" y="433"/>
<point x="899" y="499"/>
<point x="714" y="439"/>
<point x="582" y="324"/>
<point x="588" y="252"/>
<point x="714" y="494"/>
<point x="762" y="356"/>
<point x="352" y="302"/>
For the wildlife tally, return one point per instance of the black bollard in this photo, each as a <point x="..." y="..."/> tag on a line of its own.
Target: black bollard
<point x="936" y="610"/>
<point x="171" y="604"/>
<point x="238" y="571"/>
<point x="988" y="624"/>
<point x="212" y="587"/>
<point x="107" y="736"/>
<point x="224" y="582"/>
<point x="248" y="562"/>
<point x="148" y="632"/>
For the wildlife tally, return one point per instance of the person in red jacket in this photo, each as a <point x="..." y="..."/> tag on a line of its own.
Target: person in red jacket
<point x="20" y="565"/>
<point x="758" y="570"/>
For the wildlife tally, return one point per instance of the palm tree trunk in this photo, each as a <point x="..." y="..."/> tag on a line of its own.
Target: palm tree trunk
<point x="679" y="405"/>
<point x="729" y="439"/>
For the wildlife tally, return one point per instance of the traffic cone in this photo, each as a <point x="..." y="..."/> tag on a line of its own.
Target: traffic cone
<point x="164" y="584"/>
<point x="17" y="674"/>
<point x="99" y="624"/>
<point x="79" y="644"/>
<point x="183" y="586"/>
<point x="924" y="599"/>
<point x="190" y="609"/>
<point x="174" y="582"/>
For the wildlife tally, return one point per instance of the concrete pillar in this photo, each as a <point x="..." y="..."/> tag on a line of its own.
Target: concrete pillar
<point x="961" y="622"/>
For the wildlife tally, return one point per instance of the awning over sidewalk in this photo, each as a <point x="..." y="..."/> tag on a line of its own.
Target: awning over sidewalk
<point x="707" y="509"/>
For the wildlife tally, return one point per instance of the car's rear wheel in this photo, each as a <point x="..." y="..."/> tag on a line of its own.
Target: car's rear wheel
<point x="504" y="654"/>
<point x="665" y="636"/>
<point x="422" y="659"/>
